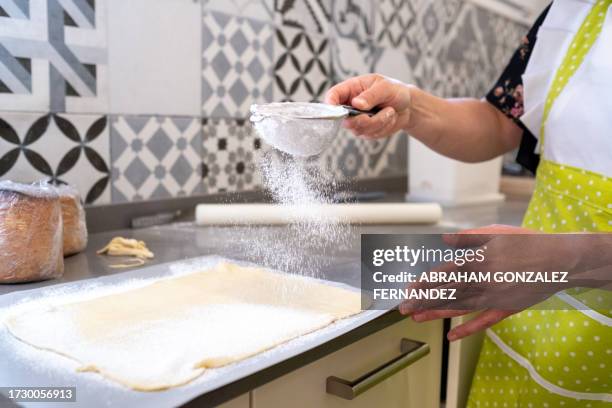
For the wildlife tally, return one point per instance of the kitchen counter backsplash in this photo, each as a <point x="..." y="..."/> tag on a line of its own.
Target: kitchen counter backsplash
<point x="137" y="100"/>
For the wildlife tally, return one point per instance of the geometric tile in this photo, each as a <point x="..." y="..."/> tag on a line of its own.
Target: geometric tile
<point x="155" y="157"/>
<point x="312" y="16"/>
<point x="159" y="144"/>
<point x="353" y="19"/>
<point x="393" y="62"/>
<point x="261" y="10"/>
<point x="469" y="46"/>
<point x="346" y="158"/>
<point x="394" y="161"/>
<point x="453" y="40"/>
<point x="395" y="21"/>
<point x="53" y="56"/>
<point x="350" y="157"/>
<point x="500" y="38"/>
<point x="237" y="64"/>
<point x="435" y="20"/>
<point x="63" y="148"/>
<point x="303" y="66"/>
<point x="154" y="57"/>
<point x="230" y="151"/>
<point x="350" y="58"/>
<point x="352" y="48"/>
<point x="410" y="34"/>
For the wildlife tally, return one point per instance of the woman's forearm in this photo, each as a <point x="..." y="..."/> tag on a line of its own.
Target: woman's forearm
<point x="463" y="129"/>
<point x="469" y="130"/>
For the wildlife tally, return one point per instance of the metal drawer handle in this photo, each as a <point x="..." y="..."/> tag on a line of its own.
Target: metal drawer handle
<point x="411" y="351"/>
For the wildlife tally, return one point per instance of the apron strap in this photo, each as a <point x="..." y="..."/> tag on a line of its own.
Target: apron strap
<point x="581" y="44"/>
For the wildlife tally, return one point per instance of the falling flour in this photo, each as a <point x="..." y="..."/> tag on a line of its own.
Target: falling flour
<point x="304" y="245"/>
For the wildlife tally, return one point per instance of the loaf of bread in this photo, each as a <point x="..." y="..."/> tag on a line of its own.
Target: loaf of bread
<point x="30" y="233"/>
<point x="73" y="215"/>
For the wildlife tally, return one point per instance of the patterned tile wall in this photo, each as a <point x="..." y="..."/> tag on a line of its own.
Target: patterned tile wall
<point x="237" y="64"/>
<point x="97" y="93"/>
<point x="230" y="156"/>
<point x="155" y="157"/>
<point x="65" y="148"/>
<point x="54" y="56"/>
<point x="303" y="65"/>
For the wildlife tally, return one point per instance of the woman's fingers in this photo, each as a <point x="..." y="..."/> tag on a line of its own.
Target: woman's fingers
<point x="379" y="93"/>
<point x="481" y="322"/>
<point x="466" y="239"/>
<point x="365" y="125"/>
<point x="344" y="92"/>
<point x="387" y="130"/>
<point x="480" y="236"/>
<point x="367" y="92"/>
<point x="427" y="315"/>
<point x="339" y="94"/>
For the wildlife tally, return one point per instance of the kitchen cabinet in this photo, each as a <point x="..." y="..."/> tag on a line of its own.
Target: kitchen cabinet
<point x="462" y="360"/>
<point x="242" y="401"/>
<point x="418" y="385"/>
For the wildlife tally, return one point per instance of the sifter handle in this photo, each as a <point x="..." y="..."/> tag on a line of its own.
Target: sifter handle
<point x="354" y="111"/>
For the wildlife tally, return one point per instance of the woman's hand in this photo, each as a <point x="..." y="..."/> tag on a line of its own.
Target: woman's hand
<point x="583" y="256"/>
<point x="368" y="91"/>
<point x="487" y="316"/>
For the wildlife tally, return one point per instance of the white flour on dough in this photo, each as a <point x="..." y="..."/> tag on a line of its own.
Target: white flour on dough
<point x="167" y="333"/>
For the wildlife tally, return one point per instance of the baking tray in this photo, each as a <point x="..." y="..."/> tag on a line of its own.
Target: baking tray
<point x="25" y="366"/>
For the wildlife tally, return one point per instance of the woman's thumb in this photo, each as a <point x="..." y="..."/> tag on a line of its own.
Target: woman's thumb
<point x="371" y="97"/>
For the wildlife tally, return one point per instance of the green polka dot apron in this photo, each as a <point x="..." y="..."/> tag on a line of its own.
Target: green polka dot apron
<point x="559" y="354"/>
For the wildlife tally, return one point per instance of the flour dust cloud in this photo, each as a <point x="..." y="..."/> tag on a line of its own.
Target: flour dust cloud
<point x="304" y="245"/>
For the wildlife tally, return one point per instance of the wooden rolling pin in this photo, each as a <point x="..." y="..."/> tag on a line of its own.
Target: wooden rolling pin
<point x="275" y="214"/>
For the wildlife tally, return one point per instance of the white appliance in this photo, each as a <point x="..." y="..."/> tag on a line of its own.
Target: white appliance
<point x="433" y="177"/>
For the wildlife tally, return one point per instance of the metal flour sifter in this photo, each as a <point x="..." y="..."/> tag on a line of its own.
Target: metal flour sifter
<point x="300" y="128"/>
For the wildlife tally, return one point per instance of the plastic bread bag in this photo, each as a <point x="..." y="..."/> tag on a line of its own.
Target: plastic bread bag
<point x="73" y="214"/>
<point x="30" y="232"/>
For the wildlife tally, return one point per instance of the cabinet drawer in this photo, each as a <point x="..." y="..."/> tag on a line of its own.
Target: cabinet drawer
<point x="416" y="386"/>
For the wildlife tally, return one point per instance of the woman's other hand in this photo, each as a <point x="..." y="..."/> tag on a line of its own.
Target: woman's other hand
<point x="585" y="259"/>
<point x="369" y="91"/>
<point x="486" y="317"/>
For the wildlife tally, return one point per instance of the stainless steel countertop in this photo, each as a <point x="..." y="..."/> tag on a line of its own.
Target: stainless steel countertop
<point x="183" y="241"/>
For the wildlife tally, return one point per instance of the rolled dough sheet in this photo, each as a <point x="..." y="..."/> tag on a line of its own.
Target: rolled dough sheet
<point x="167" y="333"/>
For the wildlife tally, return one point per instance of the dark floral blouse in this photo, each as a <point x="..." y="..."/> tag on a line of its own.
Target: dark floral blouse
<point x="507" y="94"/>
